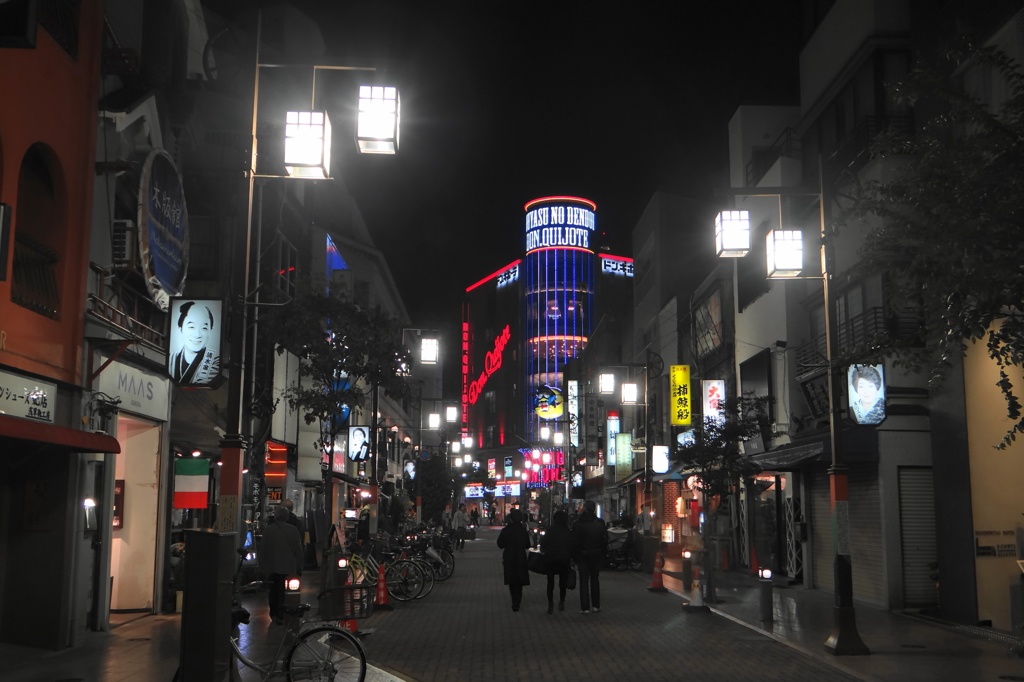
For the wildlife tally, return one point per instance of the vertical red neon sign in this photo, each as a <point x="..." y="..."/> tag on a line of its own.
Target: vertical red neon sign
<point x="465" y="375"/>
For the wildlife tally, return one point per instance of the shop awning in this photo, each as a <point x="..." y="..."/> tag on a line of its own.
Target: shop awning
<point x="789" y="457"/>
<point x="673" y="475"/>
<point x="16" y="432"/>
<point x="630" y="479"/>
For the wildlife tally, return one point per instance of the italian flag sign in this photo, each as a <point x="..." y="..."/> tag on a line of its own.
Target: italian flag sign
<point x="191" y="481"/>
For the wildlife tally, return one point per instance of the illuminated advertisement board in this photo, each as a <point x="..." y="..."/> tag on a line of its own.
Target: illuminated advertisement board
<point x="867" y="393"/>
<point x="559" y="225"/>
<point x="680" y="403"/>
<point x="507" y="490"/>
<point x="616" y="265"/>
<point x="612" y="431"/>
<point x="474" y="490"/>
<point x="574" y="413"/>
<point x="194" y="358"/>
<point x="713" y="398"/>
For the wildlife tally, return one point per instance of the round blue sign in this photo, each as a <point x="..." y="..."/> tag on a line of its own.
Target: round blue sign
<point x="163" y="228"/>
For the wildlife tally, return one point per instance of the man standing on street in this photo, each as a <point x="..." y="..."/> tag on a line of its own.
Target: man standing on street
<point x="460" y="521"/>
<point x="280" y="556"/>
<point x="589" y="546"/>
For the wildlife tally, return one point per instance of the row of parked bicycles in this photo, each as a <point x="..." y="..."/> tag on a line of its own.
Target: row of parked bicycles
<point x="412" y="563"/>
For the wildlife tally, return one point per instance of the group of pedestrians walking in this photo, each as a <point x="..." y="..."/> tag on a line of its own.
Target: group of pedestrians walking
<point x="585" y="544"/>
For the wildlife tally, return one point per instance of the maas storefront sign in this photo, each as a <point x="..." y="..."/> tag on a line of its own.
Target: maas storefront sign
<point x="163" y="228"/>
<point x="141" y="392"/>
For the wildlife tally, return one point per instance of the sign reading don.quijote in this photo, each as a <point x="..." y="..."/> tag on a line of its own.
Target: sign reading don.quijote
<point x="163" y="228"/>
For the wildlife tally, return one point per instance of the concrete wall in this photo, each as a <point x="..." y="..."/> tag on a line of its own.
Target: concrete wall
<point x="754" y="126"/>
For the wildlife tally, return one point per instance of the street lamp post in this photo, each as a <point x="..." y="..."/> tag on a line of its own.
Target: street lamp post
<point x="844" y="640"/>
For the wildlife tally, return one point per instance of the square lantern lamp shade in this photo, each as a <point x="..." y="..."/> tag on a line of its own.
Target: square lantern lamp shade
<point x="434" y="421"/>
<point x="606" y="384"/>
<point x="456" y="446"/>
<point x="545" y="432"/>
<point x="559" y="438"/>
<point x="732" y="234"/>
<point x="429" y="350"/>
<point x="379" y="119"/>
<point x="785" y="250"/>
<point x="629" y="393"/>
<point x="307" y="144"/>
<point x="451" y="414"/>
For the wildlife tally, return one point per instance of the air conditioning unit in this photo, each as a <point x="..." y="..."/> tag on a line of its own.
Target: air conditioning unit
<point x="124" y="245"/>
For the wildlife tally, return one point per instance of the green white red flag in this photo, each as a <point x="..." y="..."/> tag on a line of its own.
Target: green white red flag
<point x="191" y="482"/>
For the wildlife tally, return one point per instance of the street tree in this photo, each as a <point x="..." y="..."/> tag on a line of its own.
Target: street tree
<point x="945" y="228"/>
<point x="346" y="352"/>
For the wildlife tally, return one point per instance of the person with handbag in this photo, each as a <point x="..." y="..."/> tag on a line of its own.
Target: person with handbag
<point x="589" y="547"/>
<point x="556" y="546"/>
<point x="515" y="542"/>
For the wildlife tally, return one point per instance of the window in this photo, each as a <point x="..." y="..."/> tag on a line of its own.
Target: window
<point x="708" y="325"/>
<point x="39" y="235"/>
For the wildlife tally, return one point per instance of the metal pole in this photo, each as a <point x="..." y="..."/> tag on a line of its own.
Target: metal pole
<point x="844" y="639"/>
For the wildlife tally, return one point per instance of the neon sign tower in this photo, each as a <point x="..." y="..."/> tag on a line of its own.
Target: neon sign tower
<point x="558" y="288"/>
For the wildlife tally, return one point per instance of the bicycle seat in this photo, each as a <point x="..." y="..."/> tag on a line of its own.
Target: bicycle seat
<point x="239" y="615"/>
<point x="296" y="610"/>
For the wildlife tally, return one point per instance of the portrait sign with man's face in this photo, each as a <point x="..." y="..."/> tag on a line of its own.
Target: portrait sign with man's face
<point x="867" y="393"/>
<point x="359" y="443"/>
<point x="194" y="358"/>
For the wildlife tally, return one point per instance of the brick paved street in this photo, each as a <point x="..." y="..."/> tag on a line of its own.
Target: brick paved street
<point x="466" y="629"/>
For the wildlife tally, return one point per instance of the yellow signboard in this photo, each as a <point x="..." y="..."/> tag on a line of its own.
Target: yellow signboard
<point x="680" y="397"/>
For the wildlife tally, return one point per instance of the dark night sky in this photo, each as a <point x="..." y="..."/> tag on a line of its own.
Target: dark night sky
<point x="503" y="102"/>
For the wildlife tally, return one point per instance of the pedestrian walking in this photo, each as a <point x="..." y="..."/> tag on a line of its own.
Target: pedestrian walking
<point x="589" y="546"/>
<point x="280" y="556"/>
<point x="557" y="546"/>
<point x="460" y="521"/>
<point x="515" y="542"/>
<point x="474" y="517"/>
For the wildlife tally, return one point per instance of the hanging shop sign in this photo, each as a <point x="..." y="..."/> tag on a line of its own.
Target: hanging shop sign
<point x="27" y="398"/>
<point x="141" y="392"/>
<point x="713" y="398"/>
<point x="866" y="384"/>
<point x="659" y="459"/>
<point x="574" y="412"/>
<point x="548" y="403"/>
<point x="163" y="228"/>
<point x="680" y="403"/>
<point x="196" y="330"/>
<point x="359" y="443"/>
<point x="623" y="456"/>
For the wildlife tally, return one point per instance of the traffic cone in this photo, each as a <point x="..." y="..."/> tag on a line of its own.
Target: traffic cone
<point x="696" y="595"/>
<point x="382" y="602"/>
<point x="656" y="583"/>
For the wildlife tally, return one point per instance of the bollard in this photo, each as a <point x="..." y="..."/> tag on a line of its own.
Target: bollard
<point x="767" y="600"/>
<point x="687" y="568"/>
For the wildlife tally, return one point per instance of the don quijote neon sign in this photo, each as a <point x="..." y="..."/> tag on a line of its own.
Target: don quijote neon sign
<point x="492" y="362"/>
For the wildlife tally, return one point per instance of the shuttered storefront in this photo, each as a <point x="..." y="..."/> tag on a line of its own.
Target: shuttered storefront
<point x="917" y="531"/>
<point x="865" y="531"/>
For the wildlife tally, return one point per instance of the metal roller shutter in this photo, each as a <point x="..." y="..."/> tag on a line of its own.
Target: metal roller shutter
<point x="865" y="532"/>
<point x="917" y="530"/>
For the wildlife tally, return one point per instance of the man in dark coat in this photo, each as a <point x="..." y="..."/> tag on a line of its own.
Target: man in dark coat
<point x="280" y="556"/>
<point x="589" y="546"/>
<point x="556" y="546"/>
<point x="515" y="542"/>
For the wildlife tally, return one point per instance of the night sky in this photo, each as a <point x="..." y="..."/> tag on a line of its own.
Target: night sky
<point x="503" y="102"/>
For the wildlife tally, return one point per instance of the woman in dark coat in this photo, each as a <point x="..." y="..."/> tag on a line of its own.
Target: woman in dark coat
<point x="557" y="545"/>
<point x="514" y="539"/>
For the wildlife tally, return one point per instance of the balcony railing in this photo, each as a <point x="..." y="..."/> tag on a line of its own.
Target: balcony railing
<point x="786" y="144"/>
<point x="854" y="150"/>
<point x="859" y="333"/>
<point x="130" y="311"/>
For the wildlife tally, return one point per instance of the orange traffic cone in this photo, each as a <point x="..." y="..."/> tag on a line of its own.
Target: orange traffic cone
<point x="656" y="583"/>
<point x="382" y="602"/>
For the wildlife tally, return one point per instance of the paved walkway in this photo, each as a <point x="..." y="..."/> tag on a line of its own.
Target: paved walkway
<point x="466" y="630"/>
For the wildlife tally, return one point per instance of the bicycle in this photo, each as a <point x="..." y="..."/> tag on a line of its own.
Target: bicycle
<point x="404" y="579"/>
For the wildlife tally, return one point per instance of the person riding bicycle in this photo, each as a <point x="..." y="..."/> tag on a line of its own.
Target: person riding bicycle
<point x="460" y="521"/>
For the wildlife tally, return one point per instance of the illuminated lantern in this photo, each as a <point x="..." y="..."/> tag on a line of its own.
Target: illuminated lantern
<point x="606" y="384"/>
<point x="307" y="144"/>
<point x="380" y="111"/>
<point x="659" y="459"/>
<point x="559" y="438"/>
<point x="429" y="350"/>
<point x="434" y="421"/>
<point x="785" y="250"/>
<point x="451" y="414"/>
<point x="732" y="234"/>
<point x="545" y="432"/>
<point x="629" y="393"/>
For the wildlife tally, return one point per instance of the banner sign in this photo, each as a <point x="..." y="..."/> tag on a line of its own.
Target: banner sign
<point x="191" y="483"/>
<point x="623" y="456"/>
<point x="27" y="398"/>
<point x="163" y="228"/>
<point x="358" y="443"/>
<point x="867" y="393"/>
<point x="680" y="404"/>
<point x="196" y="326"/>
<point x="574" y="412"/>
<point x="713" y="398"/>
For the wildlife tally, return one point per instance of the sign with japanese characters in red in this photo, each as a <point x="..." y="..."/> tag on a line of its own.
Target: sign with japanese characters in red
<point x="680" y="397"/>
<point x="713" y="398"/>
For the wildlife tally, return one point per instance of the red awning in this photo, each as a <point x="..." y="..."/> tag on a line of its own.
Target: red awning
<point x="35" y="432"/>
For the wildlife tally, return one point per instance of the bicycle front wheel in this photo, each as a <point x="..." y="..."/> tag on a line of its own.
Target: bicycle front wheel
<point x="404" y="579"/>
<point x="327" y="654"/>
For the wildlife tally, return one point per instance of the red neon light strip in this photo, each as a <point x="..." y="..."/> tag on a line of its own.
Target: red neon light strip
<point x="275" y="474"/>
<point x="563" y="248"/>
<point x="488" y="278"/>
<point x="277" y="461"/>
<point x="611" y="257"/>
<point x="588" y="202"/>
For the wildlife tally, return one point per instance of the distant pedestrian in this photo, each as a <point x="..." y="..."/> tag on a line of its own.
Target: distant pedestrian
<point x="589" y="546"/>
<point x="460" y="521"/>
<point x="474" y="517"/>
<point x="280" y="556"/>
<point x="557" y="545"/>
<point x="515" y="542"/>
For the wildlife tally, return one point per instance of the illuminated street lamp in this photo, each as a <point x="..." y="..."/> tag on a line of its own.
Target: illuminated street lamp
<point x="456" y="446"/>
<point x="451" y="414"/>
<point x="458" y="461"/>
<point x="606" y="384"/>
<point x="307" y="144"/>
<point x="380" y="111"/>
<point x="545" y="432"/>
<point x="434" y="420"/>
<point x="732" y="234"/>
<point x="429" y="351"/>
<point x="629" y="394"/>
<point x="559" y="438"/>
<point x="785" y="250"/>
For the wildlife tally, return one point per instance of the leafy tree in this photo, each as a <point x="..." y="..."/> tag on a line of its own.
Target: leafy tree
<point x="345" y="352"/>
<point x="946" y="226"/>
